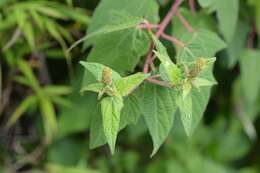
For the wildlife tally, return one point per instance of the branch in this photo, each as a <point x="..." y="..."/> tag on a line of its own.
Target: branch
<point x="168" y="17"/>
<point x="251" y="37"/>
<point x="192" y="6"/>
<point x="184" y="22"/>
<point x="160" y="31"/>
<point x="173" y="40"/>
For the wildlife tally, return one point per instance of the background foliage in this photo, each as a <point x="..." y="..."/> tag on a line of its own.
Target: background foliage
<point x="48" y="125"/>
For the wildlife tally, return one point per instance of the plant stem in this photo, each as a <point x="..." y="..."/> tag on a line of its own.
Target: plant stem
<point x="184" y="22"/>
<point x="173" y="40"/>
<point x="251" y="37"/>
<point x="192" y="6"/>
<point x="168" y="17"/>
<point x="161" y="28"/>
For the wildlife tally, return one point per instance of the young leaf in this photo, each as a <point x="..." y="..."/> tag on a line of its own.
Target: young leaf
<point x="111" y="108"/>
<point x="168" y="70"/>
<point x="158" y="109"/>
<point x="97" y="70"/>
<point x="185" y="107"/>
<point x="200" y="82"/>
<point x="96" y="87"/>
<point x="128" y="84"/>
<point x="186" y="88"/>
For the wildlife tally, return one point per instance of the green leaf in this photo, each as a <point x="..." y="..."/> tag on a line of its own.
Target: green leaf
<point x="76" y="14"/>
<point x="96" y="87"/>
<point x="37" y="19"/>
<point x="97" y="134"/>
<point x="227" y="14"/>
<point x="128" y="84"/>
<point x="185" y="107"/>
<point x="102" y="17"/>
<point x="52" y="90"/>
<point x="186" y="88"/>
<point x="111" y="108"/>
<point x="121" y="50"/>
<point x="235" y="47"/>
<point x="128" y="22"/>
<point x="193" y="107"/>
<point x="200" y="20"/>
<point x="82" y="111"/>
<point x="49" y="118"/>
<point x="206" y="3"/>
<point x="168" y="70"/>
<point x="97" y="69"/>
<point x="131" y="111"/>
<point x="28" y="73"/>
<point x="200" y="82"/>
<point x="249" y="64"/>
<point x="26" y="27"/>
<point x="202" y="43"/>
<point x="158" y="109"/>
<point x="21" y="109"/>
<point x="67" y="151"/>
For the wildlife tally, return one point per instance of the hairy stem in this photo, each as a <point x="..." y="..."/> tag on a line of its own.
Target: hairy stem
<point x="192" y="6"/>
<point x="184" y="22"/>
<point x="251" y="37"/>
<point x="173" y="40"/>
<point x="168" y="17"/>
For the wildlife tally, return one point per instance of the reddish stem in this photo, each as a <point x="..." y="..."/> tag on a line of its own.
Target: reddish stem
<point x="192" y="6"/>
<point x="168" y="17"/>
<point x="184" y="22"/>
<point x="159" y="32"/>
<point x="173" y="40"/>
<point x="251" y="37"/>
<point x="148" y="59"/>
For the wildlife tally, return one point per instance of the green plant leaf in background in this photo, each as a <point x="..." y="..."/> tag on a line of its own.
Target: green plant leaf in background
<point x="249" y="64"/>
<point x="227" y="14"/>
